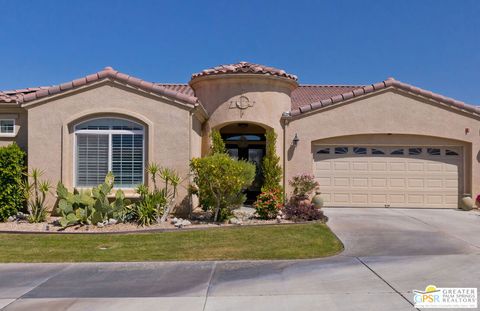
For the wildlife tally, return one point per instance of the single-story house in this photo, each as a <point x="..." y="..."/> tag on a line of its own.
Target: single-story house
<point x="387" y="144"/>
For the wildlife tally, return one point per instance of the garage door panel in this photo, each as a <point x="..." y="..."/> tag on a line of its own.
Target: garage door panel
<point x="397" y="166"/>
<point x="376" y="182"/>
<point x="398" y="198"/>
<point x="341" y="181"/>
<point x="451" y="183"/>
<point x="434" y="167"/>
<point x="324" y="181"/>
<point x="415" y="183"/>
<point x="420" y="179"/>
<point x="360" y="182"/>
<point x="434" y="183"/>
<point x="434" y="199"/>
<point x="341" y="165"/>
<point x="451" y="199"/>
<point x="376" y="166"/>
<point x="359" y="198"/>
<point x="360" y="166"/>
<point x="378" y="198"/>
<point x="416" y="199"/>
<point x="450" y="168"/>
<point x="397" y="182"/>
<point x="341" y="198"/>
<point x="323" y="166"/>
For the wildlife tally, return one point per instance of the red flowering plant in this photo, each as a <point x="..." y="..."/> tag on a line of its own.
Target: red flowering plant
<point x="477" y="200"/>
<point x="269" y="203"/>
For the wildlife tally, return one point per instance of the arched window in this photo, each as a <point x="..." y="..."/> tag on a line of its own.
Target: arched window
<point x="109" y="144"/>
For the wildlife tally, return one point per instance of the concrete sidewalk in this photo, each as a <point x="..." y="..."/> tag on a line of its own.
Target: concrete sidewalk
<point x="388" y="254"/>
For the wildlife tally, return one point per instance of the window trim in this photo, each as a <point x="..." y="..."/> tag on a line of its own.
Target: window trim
<point x="13" y="134"/>
<point x="108" y="132"/>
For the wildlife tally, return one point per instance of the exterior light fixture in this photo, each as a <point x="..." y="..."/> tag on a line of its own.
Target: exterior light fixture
<point x="295" y="140"/>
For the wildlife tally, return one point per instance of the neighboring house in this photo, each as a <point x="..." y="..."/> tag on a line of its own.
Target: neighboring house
<point x="385" y="144"/>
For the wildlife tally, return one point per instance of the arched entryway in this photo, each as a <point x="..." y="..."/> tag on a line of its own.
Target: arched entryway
<point x="246" y="141"/>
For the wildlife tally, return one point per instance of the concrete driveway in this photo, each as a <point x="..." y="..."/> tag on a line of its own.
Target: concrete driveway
<point x="389" y="252"/>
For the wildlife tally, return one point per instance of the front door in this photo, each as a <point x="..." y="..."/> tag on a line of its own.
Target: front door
<point x="253" y="153"/>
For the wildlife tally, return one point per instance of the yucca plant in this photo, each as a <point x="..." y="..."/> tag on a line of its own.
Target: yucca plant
<point x="36" y="191"/>
<point x="170" y="177"/>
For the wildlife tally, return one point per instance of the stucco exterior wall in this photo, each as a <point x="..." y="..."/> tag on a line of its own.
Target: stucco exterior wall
<point x="21" y="127"/>
<point x="390" y="112"/>
<point x="51" y="138"/>
<point x="268" y="96"/>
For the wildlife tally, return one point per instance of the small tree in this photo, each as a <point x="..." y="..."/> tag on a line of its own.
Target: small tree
<point x="221" y="179"/>
<point x="218" y="145"/>
<point x="272" y="171"/>
<point x="12" y="167"/>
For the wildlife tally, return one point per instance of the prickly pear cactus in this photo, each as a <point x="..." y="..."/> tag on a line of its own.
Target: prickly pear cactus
<point x="90" y="207"/>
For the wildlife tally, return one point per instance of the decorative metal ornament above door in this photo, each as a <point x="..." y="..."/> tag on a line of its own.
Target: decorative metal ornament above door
<point x="242" y="103"/>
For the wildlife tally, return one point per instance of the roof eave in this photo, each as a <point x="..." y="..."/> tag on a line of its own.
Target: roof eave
<point x="108" y="74"/>
<point x="390" y="83"/>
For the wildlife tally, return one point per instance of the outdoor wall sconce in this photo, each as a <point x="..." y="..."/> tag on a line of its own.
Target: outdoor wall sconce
<point x="295" y="140"/>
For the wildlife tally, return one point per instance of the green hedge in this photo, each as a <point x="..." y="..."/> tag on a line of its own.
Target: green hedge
<point x="12" y="167"/>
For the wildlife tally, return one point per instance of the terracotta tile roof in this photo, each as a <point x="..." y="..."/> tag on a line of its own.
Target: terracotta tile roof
<point x="178" y="87"/>
<point x="13" y="96"/>
<point x="303" y="95"/>
<point x="244" y="67"/>
<point x="107" y="73"/>
<point x="308" y="93"/>
<point x="390" y="82"/>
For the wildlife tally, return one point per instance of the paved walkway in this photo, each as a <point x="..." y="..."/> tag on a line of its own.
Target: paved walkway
<point x="389" y="252"/>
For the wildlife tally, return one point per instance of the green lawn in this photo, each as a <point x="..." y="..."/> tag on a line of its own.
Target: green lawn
<point x="266" y="242"/>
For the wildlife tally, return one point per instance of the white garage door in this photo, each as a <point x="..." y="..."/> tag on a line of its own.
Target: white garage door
<point x="381" y="176"/>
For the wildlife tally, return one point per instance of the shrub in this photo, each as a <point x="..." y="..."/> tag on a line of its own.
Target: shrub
<point x="36" y="191"/>
<point x="218" y="145"/>
<point x="303" y="211"/>
<point x="149" y="207"/>
<point x="12" y="167"/>
<point x="303" y="184"/>
<point x="220" y="179"/>
<point x="269" y="203"/>
<point x="272" y="171"/>
<point x="155" y="205"/>
<point x="90" y="207"/>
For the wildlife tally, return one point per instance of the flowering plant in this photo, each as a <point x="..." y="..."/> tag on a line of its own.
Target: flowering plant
<point x="303" y="211"/>
<point x="477" y="200"/>
<point x="303" y="184"/>
<point x="269" y="203"/>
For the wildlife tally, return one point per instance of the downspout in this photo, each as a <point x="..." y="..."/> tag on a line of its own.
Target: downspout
<point x="285" y="116"/>
<point x="190" y="126"/>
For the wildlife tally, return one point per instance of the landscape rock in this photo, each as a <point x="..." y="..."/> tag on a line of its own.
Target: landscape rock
<point x="236" y="221"/>
<point x="100" y="225"/>
<point x="21" y="216"/>
<point x="244" y="213"/>
<point x="112" y="221"/>
<point x="11" y="219"/>
<point x="279" y="219"/>
<point x="180" y="223"/>
<point x="199" y="214"/>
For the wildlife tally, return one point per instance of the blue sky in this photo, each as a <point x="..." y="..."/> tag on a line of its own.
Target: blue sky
<point x="432" y="44"/>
